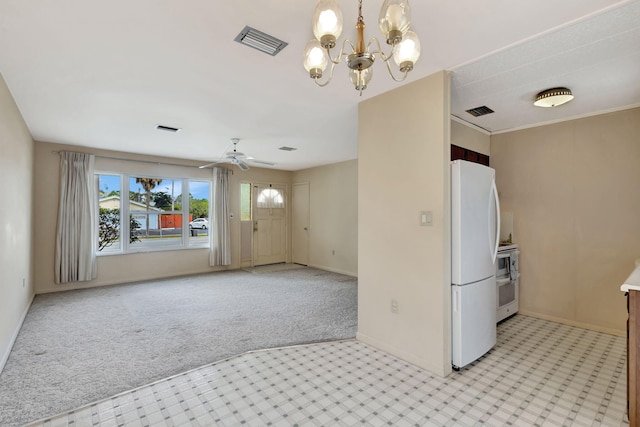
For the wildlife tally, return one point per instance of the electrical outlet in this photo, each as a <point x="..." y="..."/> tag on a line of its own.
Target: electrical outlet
<point x="394" y="306"/>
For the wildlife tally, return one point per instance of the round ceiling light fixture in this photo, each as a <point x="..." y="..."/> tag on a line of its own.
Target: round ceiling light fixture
<point x="553" y="97"/>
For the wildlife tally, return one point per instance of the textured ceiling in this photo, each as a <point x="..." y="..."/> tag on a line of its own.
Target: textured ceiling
<point x="104" y="74"/>
<point x="597" y="58"/>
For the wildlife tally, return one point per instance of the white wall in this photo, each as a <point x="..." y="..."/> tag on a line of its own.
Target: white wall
<point x="397" y="258"/>
<point x="573" y="190"/>
<point x="16" y="220"/>
<point x="333" y="201"/>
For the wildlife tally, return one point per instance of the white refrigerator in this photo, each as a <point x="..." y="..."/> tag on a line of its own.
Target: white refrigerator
<point x="475" y="233"/>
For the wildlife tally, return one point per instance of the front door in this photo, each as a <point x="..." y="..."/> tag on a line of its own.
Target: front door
<point x="269" y="224"/>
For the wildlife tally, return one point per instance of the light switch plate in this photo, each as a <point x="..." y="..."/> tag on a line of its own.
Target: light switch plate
<point x="426" y="218"/>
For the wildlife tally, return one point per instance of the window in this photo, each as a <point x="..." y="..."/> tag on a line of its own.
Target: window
<point x="270" y="198"/>
<point x="245" y="201"/>
<point x="199" y="193"/>
<point x="109" y="213"/>
<point x="152" y="203"/>
<point x="156" y="210"/>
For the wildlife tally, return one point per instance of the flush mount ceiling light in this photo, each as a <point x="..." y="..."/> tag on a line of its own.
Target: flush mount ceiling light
<point x="394" y="22"/>
<point x="553" y="97"/>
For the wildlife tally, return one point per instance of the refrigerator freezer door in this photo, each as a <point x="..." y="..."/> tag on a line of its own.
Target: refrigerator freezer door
<point x="474" y="227"/>
<point x="473" y="321"/>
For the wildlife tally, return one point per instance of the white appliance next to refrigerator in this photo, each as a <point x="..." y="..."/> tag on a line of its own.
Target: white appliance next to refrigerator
<point x="475" y="234"/>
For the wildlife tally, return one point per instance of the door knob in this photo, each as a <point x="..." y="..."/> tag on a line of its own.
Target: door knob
<point x="305" y="229"/>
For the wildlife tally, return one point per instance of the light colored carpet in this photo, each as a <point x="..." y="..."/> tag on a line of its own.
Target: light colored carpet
<point x="80" y="346"/>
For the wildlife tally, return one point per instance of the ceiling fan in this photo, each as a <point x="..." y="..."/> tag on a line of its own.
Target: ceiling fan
<point x="236" y="158"/>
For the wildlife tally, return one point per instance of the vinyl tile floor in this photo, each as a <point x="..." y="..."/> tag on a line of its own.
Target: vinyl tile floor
<point x="540" y="373"/>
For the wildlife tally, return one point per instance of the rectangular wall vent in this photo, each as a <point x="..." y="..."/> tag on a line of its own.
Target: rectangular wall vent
<point x="167" y="128"/>
<point x="480" y="111"/>
<point x="287" y="149"/>
<point x="261" y="41"/>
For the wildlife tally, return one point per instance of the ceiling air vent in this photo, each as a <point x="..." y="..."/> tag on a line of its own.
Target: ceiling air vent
<point x="287" y="149"/>
<point x="480" y="111"/>
<point x="167" y="128"/>
<point x="261" y="41"/>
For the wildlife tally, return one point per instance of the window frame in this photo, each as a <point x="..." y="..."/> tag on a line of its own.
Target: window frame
<point x="125" y="212"/>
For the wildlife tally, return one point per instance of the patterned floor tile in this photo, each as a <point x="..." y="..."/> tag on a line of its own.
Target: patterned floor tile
<point x="540" y="373"/>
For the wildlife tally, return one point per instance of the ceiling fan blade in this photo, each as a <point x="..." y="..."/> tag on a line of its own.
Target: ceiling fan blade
<point x="262" y="162"/>
<point x="217" y="162"/>
<point x="207" y="165"/>
<point x="242" y="165"/>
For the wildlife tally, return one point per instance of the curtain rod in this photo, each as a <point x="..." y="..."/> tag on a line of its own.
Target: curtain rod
<point x="151" y="162"/>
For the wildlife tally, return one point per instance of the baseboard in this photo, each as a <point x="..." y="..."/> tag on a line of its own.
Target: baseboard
<point x="411" y="358"/>
<point x="568" y="322"/>
<point x="333" y="270"/>
<point x="5" y="356"/>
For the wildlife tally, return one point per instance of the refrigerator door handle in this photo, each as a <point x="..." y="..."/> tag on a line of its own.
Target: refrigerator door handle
<point x="495" y="194"/>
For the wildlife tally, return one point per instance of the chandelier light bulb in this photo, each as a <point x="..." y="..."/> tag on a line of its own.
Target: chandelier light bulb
<point x="361" y="78"/>
<point x="327" y="22"/>
<point x="395" y="20"/>
<point x="407" y="52"/>
<point x="315" y="59"/>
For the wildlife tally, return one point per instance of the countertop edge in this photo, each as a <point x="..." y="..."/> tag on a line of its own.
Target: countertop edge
<point x="633" y="281"/>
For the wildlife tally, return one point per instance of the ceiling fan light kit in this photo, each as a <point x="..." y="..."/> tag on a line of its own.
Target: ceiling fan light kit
<point x="394" y="23"/>
<point x="553" y="97"/>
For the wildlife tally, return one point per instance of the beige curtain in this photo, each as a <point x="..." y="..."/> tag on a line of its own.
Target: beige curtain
<point x="75" y="259"/>
<point x="219" y="236"/>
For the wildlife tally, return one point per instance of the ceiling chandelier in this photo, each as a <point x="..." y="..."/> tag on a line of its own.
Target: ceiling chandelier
<point x="394" y="22"/>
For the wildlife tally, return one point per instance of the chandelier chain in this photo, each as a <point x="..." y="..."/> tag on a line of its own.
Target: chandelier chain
<point x="360" y="18"/>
